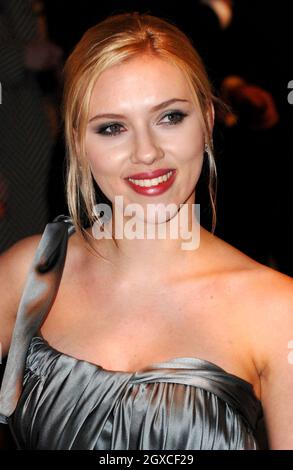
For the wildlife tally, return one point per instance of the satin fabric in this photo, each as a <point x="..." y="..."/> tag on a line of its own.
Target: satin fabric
<point x="185" y="403"/>
<point x="38" y="296"/>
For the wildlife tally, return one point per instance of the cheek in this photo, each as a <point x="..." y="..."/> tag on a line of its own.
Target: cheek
<point x="194" y="142"/>
<point x="187" y="143"/>
<point x="191" y="155"/>
<point x="100" y="158"/>
<point x="190" y="149"/>
<point x="105" y="162"/>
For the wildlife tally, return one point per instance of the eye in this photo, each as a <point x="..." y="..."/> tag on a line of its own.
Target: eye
<point x="115" y="129"/>
<point x="175" y="117"/>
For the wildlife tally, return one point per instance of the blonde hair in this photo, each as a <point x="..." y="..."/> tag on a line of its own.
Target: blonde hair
<point x="113" y="41"/>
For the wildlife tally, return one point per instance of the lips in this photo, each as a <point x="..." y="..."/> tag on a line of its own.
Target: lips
<point x="152" y="190"/>
<point x="150" y="174"/>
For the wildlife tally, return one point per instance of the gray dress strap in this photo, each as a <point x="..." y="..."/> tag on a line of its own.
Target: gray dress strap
<point x="37" y="299"/>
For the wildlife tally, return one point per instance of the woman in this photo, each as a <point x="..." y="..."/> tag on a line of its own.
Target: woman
<point x="149" y="344"/>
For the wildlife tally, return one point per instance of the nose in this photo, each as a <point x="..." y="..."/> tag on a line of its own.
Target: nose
<point x="146" y="148"/>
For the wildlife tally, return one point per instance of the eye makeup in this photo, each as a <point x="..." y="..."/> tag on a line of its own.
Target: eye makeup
<point x="177" y="115"/>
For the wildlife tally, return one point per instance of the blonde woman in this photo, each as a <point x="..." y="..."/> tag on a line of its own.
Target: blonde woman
<point x="150" y="342"/>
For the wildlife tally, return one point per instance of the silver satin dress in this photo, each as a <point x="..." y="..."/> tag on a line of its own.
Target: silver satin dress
<point x="51" y="400"/>
<point x="186" y="403"/>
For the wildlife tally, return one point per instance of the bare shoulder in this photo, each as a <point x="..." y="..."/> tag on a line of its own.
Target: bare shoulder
<point x="270" y="298"/>
<point x="272" y="295"/>
<point x="256" y="279"/>
<point x="263" y="299"/>
<point x="266" y="306"/>
<point x="14" y="267"/>
<point x="273" y="340"/>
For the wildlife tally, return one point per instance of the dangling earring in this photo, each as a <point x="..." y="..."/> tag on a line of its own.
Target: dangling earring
<point x="102" y="225"/>
<point x="98" y="217"/>
<point x="208" y="148"/>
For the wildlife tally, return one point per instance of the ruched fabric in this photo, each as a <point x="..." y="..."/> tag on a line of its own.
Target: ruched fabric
<point x="185" y="403"/>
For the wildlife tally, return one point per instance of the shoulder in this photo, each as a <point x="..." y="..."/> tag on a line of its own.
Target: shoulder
<point x="14" y="267"/>
<point x="272" y="333"/>
<point x="268" y="304"/>
<point x="259" y="302"/>
<point x="257" y="280"/>
<point x="15" y="262"/>
<point x="273" y="323"/>
<point x="261" y="299"/>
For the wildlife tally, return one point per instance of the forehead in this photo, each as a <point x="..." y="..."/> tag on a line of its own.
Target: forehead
<point x="145" y="80"/>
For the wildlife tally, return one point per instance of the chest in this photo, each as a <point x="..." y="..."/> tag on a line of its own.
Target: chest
<point x="126" y="328"/>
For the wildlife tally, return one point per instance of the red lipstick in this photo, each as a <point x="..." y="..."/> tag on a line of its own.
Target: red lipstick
<point x="152" y="190"/>
<point x="150" y="174"/>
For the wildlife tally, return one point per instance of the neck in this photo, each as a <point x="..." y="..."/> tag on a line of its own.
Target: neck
<point x="143" y="249"/>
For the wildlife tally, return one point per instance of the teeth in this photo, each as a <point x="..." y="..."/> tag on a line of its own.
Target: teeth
<point x="152" y="182"/>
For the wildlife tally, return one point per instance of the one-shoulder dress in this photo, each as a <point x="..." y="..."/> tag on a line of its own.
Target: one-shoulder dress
<point x="183" y="404"/>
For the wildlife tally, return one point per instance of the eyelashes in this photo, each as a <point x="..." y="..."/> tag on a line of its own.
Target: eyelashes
<point x="115" y="127"/>
<point x="103" y="129"/>
<point x="179" y="117"/>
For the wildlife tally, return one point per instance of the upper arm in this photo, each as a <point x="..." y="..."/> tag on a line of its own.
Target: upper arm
<point x="276" y="340"/>
<point x="14" y="267"/>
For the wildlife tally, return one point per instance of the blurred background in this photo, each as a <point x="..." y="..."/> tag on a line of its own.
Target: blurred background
<point x="245" y="46"/>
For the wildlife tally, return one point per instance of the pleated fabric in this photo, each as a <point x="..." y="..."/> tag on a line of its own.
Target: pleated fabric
<point x="185" y="403"/>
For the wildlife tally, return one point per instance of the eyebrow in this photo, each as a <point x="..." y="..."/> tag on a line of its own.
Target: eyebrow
<point x="164" y="104"/>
